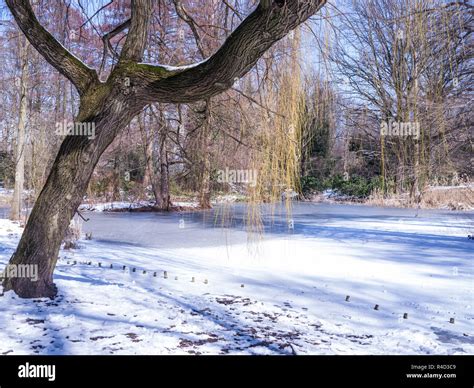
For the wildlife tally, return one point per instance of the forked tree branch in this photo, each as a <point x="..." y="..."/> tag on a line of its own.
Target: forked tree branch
<point x="109" y="35"/>
<point x="183" y="15"/>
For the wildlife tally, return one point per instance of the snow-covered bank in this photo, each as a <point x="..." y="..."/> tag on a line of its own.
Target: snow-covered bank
<point x="434" y="197"/>
<point x="110" y="206"/>
<point x="185" y="203"/>
<point x="293" y="298"/>
<point x="130" y="206"/>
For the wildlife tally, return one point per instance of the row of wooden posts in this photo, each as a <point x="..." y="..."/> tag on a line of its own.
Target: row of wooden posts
<point x="193" y="280"/>
<point x="405" y="315"/>
<point x="134" y="270"/>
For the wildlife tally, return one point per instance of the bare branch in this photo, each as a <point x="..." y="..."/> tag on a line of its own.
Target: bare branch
<point x="108" y="45"/>
<point x="240" y="52"/>
<point x="95" y="13"/>
<point x="56" y="54"/>
<point x="183" y="15"/>
<point x="235" y="11"/>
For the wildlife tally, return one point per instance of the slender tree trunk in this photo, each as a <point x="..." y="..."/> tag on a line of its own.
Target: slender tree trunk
<point x="205" y="187"/>
<point x="20" y="140"/>
<point x="149" y="173"/>
<point x="115" y="184"/>
<point x="151" y="176"/>
<point x="162" y="191"/>
<point x="205" y="193"/>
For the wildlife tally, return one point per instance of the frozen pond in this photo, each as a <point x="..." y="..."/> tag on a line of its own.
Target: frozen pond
<point x="198" y="229"/>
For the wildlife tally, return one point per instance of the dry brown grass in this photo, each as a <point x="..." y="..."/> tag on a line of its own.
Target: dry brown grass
<point x="456" y="198"/>
<point x="453" y="198"/>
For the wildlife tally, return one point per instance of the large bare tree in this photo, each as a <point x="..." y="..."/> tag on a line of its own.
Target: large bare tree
<point x="112" y="104"/>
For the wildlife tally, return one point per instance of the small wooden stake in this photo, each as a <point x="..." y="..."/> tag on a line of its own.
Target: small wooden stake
<point x="175" y="278"/>
<point x="205" y="281"/>
<point x="154" y="274"/>
<point x="405" y="316"/>
<point x="100" y="264"/>
<point x="347" y="298"/>
<point x="451" y="320"/>
<point x="242" y="286"/>
<point x="134" y="270"/>
<point x="144" y="272"/>
<point x="123" y="268"/>
<point x="376" y="307"/>
<point x="111" y="266"/>
<point x="165" y="275"/>
<point x="193" y="280"/>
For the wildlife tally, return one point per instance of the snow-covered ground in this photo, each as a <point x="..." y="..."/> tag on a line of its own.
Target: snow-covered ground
<point x="284" y="295"/>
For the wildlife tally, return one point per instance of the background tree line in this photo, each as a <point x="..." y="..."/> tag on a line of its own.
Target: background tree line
<point x="306" y="118"/>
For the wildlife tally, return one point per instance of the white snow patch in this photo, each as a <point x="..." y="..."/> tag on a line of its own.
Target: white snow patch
<point x="175" y="68"/>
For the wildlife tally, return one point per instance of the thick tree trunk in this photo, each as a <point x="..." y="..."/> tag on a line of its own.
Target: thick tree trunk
<point x="17" y="201"/>
<point x="63" y="193"/>
<point x="50" y="218"/>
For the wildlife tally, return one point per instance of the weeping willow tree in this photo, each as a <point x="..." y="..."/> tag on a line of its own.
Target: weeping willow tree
<point x="277" y="146"/>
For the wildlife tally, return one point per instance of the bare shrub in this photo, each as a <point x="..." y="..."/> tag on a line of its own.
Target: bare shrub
<point x="454" y="198"/>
